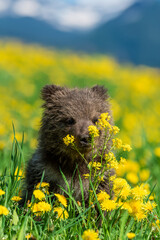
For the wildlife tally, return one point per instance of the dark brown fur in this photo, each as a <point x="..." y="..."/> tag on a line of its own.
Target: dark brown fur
<point x="66" y="111"/>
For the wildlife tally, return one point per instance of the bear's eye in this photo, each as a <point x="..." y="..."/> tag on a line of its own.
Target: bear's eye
<point x="70" y="121"/>
<point x="95" y="120"/>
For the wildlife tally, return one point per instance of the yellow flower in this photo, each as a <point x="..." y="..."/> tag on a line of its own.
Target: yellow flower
<point x="90" y="234"/>
<point x="62" y="213"/>
<point x="132" y="177"/>
<point x="1" y="192"/>
<point x="61" y="199"/>
<point x="86" y="175"/>
<point x="138" y="210"/>
<point x="144" y="175"/>
<point x="16" y="198"/>
<point x="38" y="194"/>
<point x="28" y="235"/>
<point x="108" y="205"/>
<point x="149" y="206"/>
<point x="131" y="235"/>
<point x="117" y="143"/>
<point x="126" y="147"/>
<point x="139" y="192"/>
<point x="96" y="165"/>
<point x="3" y="210"/>
<point x="93" y="131"/>
<point x="157" y="151"/>
<point x="103" y="121"/>
<point x="20" y="174"/>
<point x="42" y="185"/>
<point x="121" y="188"/>
<point x="115" y="130"/>
<point x="102" y="196"/>
<point x="68" y="140"/>
<point x="40" y="207"/>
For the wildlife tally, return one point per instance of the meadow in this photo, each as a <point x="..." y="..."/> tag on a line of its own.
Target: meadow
<point x="135" y="101"/>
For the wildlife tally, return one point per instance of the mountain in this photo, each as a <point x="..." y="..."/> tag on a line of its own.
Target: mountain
<point x="133" y="36"/>
<point x="34" y="31"/>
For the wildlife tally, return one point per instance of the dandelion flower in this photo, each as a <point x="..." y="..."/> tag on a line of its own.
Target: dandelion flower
<point x="132" y="177"/>
<point x="42" y="185"/>
<point x="121" y="188"/>
<point x="38" y="194"/>
<point x="139" y="192"/>
<point x="90" y="234"/>
<point x="93" y="131"/>
<point x="144" y="175"/>
<point x="68" y="140"/>
<point x="3" y="210"/>
<point x="102" y="196"/>
<point x="16" y="198"/>
<point x="61" y="199"/>
<point x="108" y="205"/>
<point x="131" y="235"/>
<point x="149" y="206"/>
<point x="1" y="192"/>
<point x="62" y="213"/>
<point x="40" y="207"/>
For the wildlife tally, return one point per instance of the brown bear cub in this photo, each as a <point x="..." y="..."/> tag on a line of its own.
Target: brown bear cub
<point x="67" y="111"/>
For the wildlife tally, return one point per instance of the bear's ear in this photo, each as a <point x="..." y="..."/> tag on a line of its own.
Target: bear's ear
<point x="101" y="91"/>
<point x="49" y="90"/>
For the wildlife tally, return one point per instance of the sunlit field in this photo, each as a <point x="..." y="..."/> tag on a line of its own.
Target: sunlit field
<point x="134" y="92"/>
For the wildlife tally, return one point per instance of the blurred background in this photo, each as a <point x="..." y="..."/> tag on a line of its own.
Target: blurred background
<point x="126" y="29"/>
<point x="115" y="43"/>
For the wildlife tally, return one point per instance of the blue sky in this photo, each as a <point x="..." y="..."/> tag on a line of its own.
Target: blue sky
<point x="67" y="14"/>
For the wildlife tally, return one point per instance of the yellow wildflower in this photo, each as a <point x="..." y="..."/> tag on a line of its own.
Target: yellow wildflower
<point x="139" y="192"/>
<point x="1" y="192"/>
<point x="126" y="147"/>
<point x="93" y="131"/>
<point x="103" y="121"/>
<point x="121" y="188"/>
<point x="86" y="175"/>
<point x="108" y="205"/>
<point x="96" y="165"/>
<point x="38" y="194"/>
<point x="102" y="196"/>
<point x="149" y="206"/>
<point x="131" y="235"/>
<point x="144" y="175"/>
<point x="42" y="185"/>
<point x="90" y="234"/>
<point x="28" y="235"/>
<point x="68" y="140"/>
<point x="20" y="174"/>
<point x="117" y="143"/>
<point x="115" y="130"/>
<point x="16" y="198"/>
<point x="132" y="177"/>
<point x="40" y="207"/>
<point x="138" y="210"/>
<point x="157" y="151"/>
<point x="3" y="210"/>
<point x="62" y="213"/>
<point x="61" y="199"/>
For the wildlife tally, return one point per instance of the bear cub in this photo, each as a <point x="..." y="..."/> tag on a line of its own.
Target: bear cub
<point x="67" y="111"/>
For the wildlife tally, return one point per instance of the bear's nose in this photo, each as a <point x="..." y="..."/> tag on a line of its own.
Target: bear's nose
<point x="85" y="140"/>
